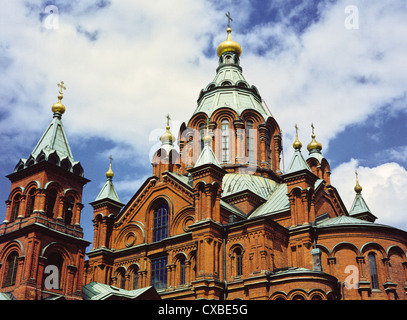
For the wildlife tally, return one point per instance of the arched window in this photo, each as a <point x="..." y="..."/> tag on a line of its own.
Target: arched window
<point x="250" y="141"/>
<point x="69" y="203"/>
<point x="373" y="271"/>
<point x="30" y="202"/>
<point x="201" y="136"/>
<point x="134" y="277"/>
<point x="239" y="262"/>
<point x="15" y="207"/>
<point x="121" y="278"/>
<point x="182" y="271"/>
<point x="160" y="229"/>
<point x="225" y="140"/>
<point x="11" y="270"/>
<point x="52" y="197"/>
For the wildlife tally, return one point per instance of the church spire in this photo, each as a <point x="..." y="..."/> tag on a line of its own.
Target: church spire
<point x="108" y="191"/>
<point x="229" y="45"/>
<point x="359" y="207"/>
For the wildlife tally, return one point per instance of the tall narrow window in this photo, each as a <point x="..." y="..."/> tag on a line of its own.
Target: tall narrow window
<point x="135" y="278"/>
<point x="160" y="229"/>
<point x="250" y="141"/>
<point x="373" y="271"/>
<point x="225" y="140"/>
<point x="182" y="266"/>
<point x="52" y="197"/>
<point x="69" y="203"/>
<point x="16" y="207"/>
<point x="11" y="271"/>
<point x="159" y="273"/>
<point x="30" y="203"/>
<point x="201" y="136"/>
<point x="239" y="262"/>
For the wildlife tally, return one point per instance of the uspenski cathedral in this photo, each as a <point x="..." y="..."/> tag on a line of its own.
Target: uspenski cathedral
<point x="217" y="219"/>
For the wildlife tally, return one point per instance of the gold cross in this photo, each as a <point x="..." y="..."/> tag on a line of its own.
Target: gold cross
<point x="229" y="18"/>
<point x="111" y="159"/>
<point x="61" y="85"/>
<point x="168" y="119"/>
<point x="296" y="130"/>
<point x="312" y="126"/>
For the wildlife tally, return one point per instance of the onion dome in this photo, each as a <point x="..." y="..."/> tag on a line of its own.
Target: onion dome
<point x="297" y="145"/>
<point x="167" y="137"/>
<point x="109" y="173"/>
<point x="314" y="146"/>
<point x="229" y="45"/>
<point x="358" y="188"/>
<point x="59" y="107"/>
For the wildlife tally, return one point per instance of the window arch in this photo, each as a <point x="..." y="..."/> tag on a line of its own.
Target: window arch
<point x="52" y="197"/>
<point x="11" y="269"/>
<point x="134" y="276"/>
<point x="30" y="202"/>
<point x="68" y="212"/>
<point x="121" y="278"/>
<point x="250" y="141"/>
<point x="373" y="271"/>
<point x="225" y="140"/>
<point x="15" y="206"/>
<point x="239" y="261"/>
<point x="201" y="136"/>
<point x="160" y="228"/>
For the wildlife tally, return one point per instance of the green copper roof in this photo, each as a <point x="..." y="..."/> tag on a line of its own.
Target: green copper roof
<point x="207" y="156"/>
<point x="54" y="138"/>
<point x="277" y="202"/>
<point x="359" y="205"/>
<point x="101" y="291"/>
<point x="108" y="192"/>
<point x="230" y="89"/>
<point x="233" y="183"/>
<point x="297" y="163"/>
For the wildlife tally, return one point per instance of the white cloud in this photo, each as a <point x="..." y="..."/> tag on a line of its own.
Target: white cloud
<point x="384" y="190"/>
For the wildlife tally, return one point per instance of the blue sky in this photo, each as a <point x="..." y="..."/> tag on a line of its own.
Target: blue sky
<point x="126" y="64"/>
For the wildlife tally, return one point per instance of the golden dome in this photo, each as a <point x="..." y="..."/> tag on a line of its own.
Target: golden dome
<point x="109" y="173"/>
<point x="358" y="188"/>
<point x="167" y="137"/>
<point x="314" y="145"/>
<point x="58" y="107"/>
<point x="297" y="143"/>
<point x="229" y="45"/>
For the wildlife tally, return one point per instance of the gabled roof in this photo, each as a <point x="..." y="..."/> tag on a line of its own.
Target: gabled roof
<point x="278" y="202"/>
<point x="359" y="205"/>
<point x="108" y="192"/>
<point x="54" y="138"/>
<point x="297" y="163"/>
<point x="207" y="156"/>
<point x="101" y="291"/>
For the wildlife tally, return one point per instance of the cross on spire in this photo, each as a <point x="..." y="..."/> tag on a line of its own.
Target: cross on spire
<point x="168" y="119"/>
<point x="229" y="18"/>
<point x="296" y="130"/>
<point x="61" y="86"/>
<point x="312" y="126"/>
<point x="111" y="159"/>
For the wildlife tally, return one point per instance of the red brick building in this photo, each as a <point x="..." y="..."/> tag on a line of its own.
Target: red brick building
<point x="218" y="219"/>
<point x="42" y="250"/>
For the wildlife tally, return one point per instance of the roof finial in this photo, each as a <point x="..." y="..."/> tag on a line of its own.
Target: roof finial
<point x="229" y="18"/>
<point x="58" y="108"/>
<point x="358" y="188"/>
<point x="297" y="143"/>
<point x="167" y="137"/>
<point x="314" y="146"/>
<point x="109" y="173"/>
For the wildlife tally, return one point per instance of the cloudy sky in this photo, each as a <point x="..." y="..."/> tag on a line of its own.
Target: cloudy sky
<point x="339" y="64"/>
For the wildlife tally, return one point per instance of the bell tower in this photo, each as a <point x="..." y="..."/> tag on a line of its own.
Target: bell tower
<point x="42" y="249"/>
